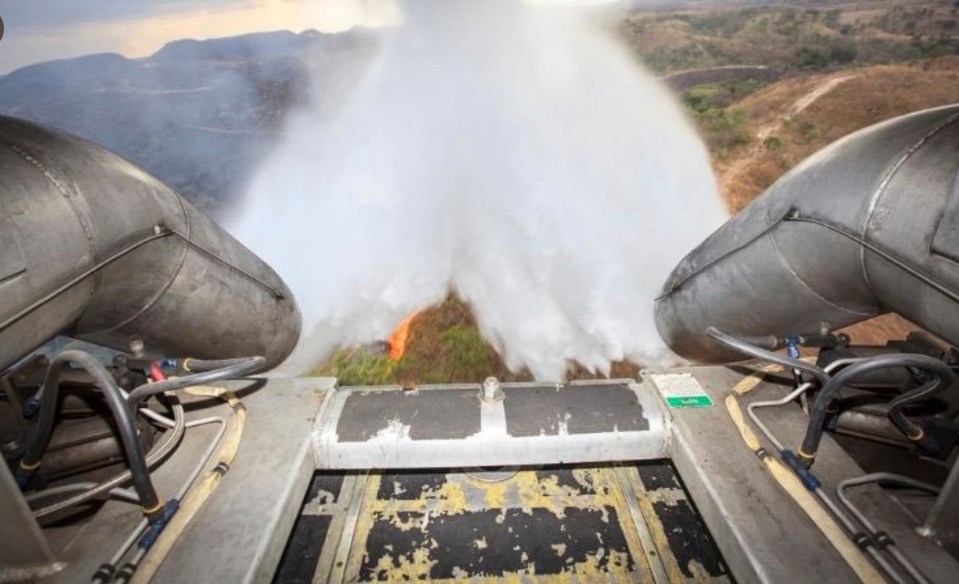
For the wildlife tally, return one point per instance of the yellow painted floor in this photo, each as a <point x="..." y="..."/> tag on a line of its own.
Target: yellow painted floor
<point x="618" y="523"/>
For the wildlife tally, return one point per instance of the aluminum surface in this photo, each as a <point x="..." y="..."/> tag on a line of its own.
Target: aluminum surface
<point x="629" y="485"/>
<point x="942" y="523"/>
<point x="331" y="563"/>
<point x="871" y="426"/>
<point x="763" y="535"/>
<point x="25" y="555"/>
<point x="267" y="481"/>
<point x="252" y="510"/>
<point x="94" y="247"/>
<point x="452" y="426"/>
<point x="789" y="261"/>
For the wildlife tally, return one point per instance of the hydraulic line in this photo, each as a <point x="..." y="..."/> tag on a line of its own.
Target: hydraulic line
<point x="235" y="369"/>
<point x="107" y="570"/>
<point x="88" y="486"/>
<point x="878" y="539"/>
<point x="798" y="392"/>
<point x="198" y="365"/>
<point x="170" y="441"/>
<point x="198" y="495"/>
<point x="797" y="490"/>
<point x="912" y="430"/>
<point x="806" y="482"/>
<point x="145" y="411"/>
<point x="753" y="351"/>
<point x="117" y="493"/>
<point x="873" y="548"/>
<point x="149" y="502"/>
<point x="900" y="557"/>
<point x="817" y="417"/>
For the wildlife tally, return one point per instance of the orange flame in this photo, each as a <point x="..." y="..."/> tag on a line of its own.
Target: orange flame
<point x="397" y="341"/>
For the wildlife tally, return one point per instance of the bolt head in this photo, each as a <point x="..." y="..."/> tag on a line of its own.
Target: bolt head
<point x="491" y="391"/>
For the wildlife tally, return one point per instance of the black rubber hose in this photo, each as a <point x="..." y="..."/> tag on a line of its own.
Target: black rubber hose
<point x="238" y="368"/>
<point x="912" y="430"/>
<point x="769" y="342"/>
<point x="754" y="351"/>
<point x="942" y="372"/>
<point x="121" y="413"/>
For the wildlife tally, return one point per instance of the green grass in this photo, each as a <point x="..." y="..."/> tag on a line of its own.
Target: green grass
<point x="359" y="367"/>
<point x="444" y="347"/>
<point x="722" y="128"/>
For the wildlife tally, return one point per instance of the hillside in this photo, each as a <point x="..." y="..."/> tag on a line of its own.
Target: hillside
<point x="790" y="120"/>
<point x="197" y="114"/>
<point x="809" y="36"/>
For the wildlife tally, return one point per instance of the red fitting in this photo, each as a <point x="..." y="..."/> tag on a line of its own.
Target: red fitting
<point x="156" y="372"/>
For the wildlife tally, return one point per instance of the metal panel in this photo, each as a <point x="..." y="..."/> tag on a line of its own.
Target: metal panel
<point x="240" y="532"/>
<point x="942" y="523"/>
<point x="11" y="258"/>
<point x="25" y="555"/>
<point x="254" y="509"/>
<point x="552" y="410"/>
<point x="621" y="423"/>
<point x="426" y="414"/>
<point x="763" y="535"/>
<point x="946" y="240"/>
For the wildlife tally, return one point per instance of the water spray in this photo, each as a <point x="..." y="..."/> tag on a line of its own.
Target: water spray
<point x="515" y="155"/>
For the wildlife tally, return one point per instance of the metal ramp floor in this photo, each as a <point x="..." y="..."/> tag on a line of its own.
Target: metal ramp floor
<point x="630" y="522"/>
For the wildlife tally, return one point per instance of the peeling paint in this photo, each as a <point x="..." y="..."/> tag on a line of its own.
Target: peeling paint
<point x="394" y="430"/>
<point x="553" y="525"/>
<point x="404" y="569"/>
<point x="550" y="410"/>
<point x="669" y="497"/>
<point x="444" y="415"/>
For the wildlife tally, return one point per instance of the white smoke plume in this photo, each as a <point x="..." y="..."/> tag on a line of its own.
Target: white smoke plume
<point x="513" y="154"/>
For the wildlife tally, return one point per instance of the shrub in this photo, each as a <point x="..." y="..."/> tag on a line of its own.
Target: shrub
<point x="812" y="58"/>
<point x="773" y="143"/>
<point x="723" y="130"/>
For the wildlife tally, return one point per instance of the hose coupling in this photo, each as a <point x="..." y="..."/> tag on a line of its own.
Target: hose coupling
<point x="25" y="471"/>
<point x="808" y="479"/>
<point x="31" y="406"/>
<point x="158" y="521"/>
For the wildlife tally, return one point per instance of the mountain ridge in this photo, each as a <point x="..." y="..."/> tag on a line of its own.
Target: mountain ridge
<point x="188" y="102"/>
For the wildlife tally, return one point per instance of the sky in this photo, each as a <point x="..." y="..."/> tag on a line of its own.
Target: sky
<point x="43" y="30"/>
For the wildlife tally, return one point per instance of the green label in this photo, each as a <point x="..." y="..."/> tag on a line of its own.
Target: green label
<point x="699" y="401"/>
<point x="681" y="390"/>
